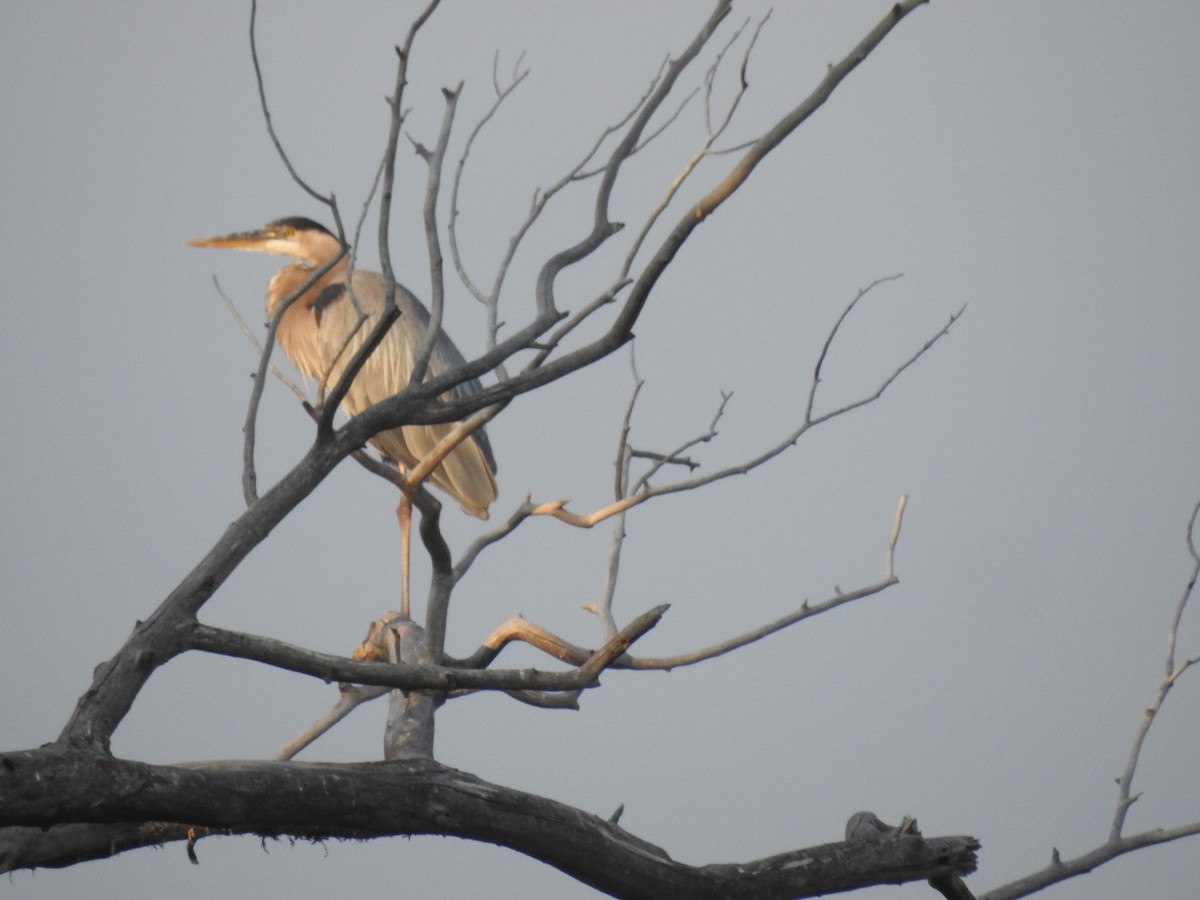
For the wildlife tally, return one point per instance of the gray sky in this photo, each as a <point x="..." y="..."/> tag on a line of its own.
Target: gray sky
<point x="1035" y="161"/>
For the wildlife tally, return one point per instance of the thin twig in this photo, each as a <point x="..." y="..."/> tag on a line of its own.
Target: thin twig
<point x="417" y="406"/>
<point x="833" y="333"/>
<point x="266" y="110"/>
<point x="249" y="429"/>
<point x="350" y="697"/>
<point x="249" y="476"/>
<point x="714" y="132"/>
<point x="602" y="227"/>
<point x="389" y="313"/>
<point x="1118" y="844"/>
<point x="540" y="199"/>
<point x="256" y="343"/>
<point x="658" y="463"/>
<point x="621" y="463"/>
<point x="1061" y="869"/>
<point x="642" y="491"/>
<point x="433" y="244"/>
<point x="452" y="225"/>
<point x="360" y="313"/>
<point x="1125" y="798"/>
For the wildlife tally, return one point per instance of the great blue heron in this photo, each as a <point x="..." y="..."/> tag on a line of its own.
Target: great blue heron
<point x="318" y="333"/>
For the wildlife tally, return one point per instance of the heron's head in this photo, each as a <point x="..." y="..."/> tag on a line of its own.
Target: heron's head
<point x="295" y="236"/>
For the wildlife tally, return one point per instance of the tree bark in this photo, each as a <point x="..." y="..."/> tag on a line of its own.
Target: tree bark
<point x="103" y="798"/>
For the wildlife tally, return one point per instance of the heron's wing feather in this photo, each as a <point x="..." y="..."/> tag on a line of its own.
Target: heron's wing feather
<point x="467" y="472"/>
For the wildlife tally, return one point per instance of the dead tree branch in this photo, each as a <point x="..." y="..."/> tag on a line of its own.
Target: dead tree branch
<point x="87" y="798"/>
<point x="1119" y="844"/>
<point x="567" y="652"/>
<point x="380" y="799"/>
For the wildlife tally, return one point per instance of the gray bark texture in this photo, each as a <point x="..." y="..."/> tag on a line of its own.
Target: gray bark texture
<point x="61" y="805"/>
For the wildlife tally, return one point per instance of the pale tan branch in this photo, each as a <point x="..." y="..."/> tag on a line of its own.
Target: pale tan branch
<point x="574" y="654"/>
<point x="890" y="564"/>
<point x="520" y="629"/>
<point x="589" y="665"/>
<point x="444" y="447"/>
<point x="557" y="509"/>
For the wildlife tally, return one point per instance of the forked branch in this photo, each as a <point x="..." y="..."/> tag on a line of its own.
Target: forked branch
<point x="572" y="654"/>
<point x="419" y="405"/>
<point x="1118" y="844"/>
<point x="640" y="490"/>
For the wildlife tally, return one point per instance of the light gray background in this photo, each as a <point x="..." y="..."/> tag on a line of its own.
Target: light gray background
<point x="1036" y="161"/>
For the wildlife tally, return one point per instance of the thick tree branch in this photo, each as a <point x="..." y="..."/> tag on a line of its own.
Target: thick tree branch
<point x="118" y="682"/>
<point x="52" y="785"/>
<point x="77" y="782"/>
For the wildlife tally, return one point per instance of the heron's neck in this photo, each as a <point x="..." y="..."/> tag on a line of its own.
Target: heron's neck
<point x="290" y="279"/>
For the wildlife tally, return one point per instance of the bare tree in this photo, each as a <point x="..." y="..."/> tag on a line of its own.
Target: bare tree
<point x="72" y="800"/>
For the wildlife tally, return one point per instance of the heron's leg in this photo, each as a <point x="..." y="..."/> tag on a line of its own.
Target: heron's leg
<point x="404" y="514"/>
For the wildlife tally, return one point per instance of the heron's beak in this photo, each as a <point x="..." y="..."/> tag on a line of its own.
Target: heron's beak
<point x="243" y="240"/>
